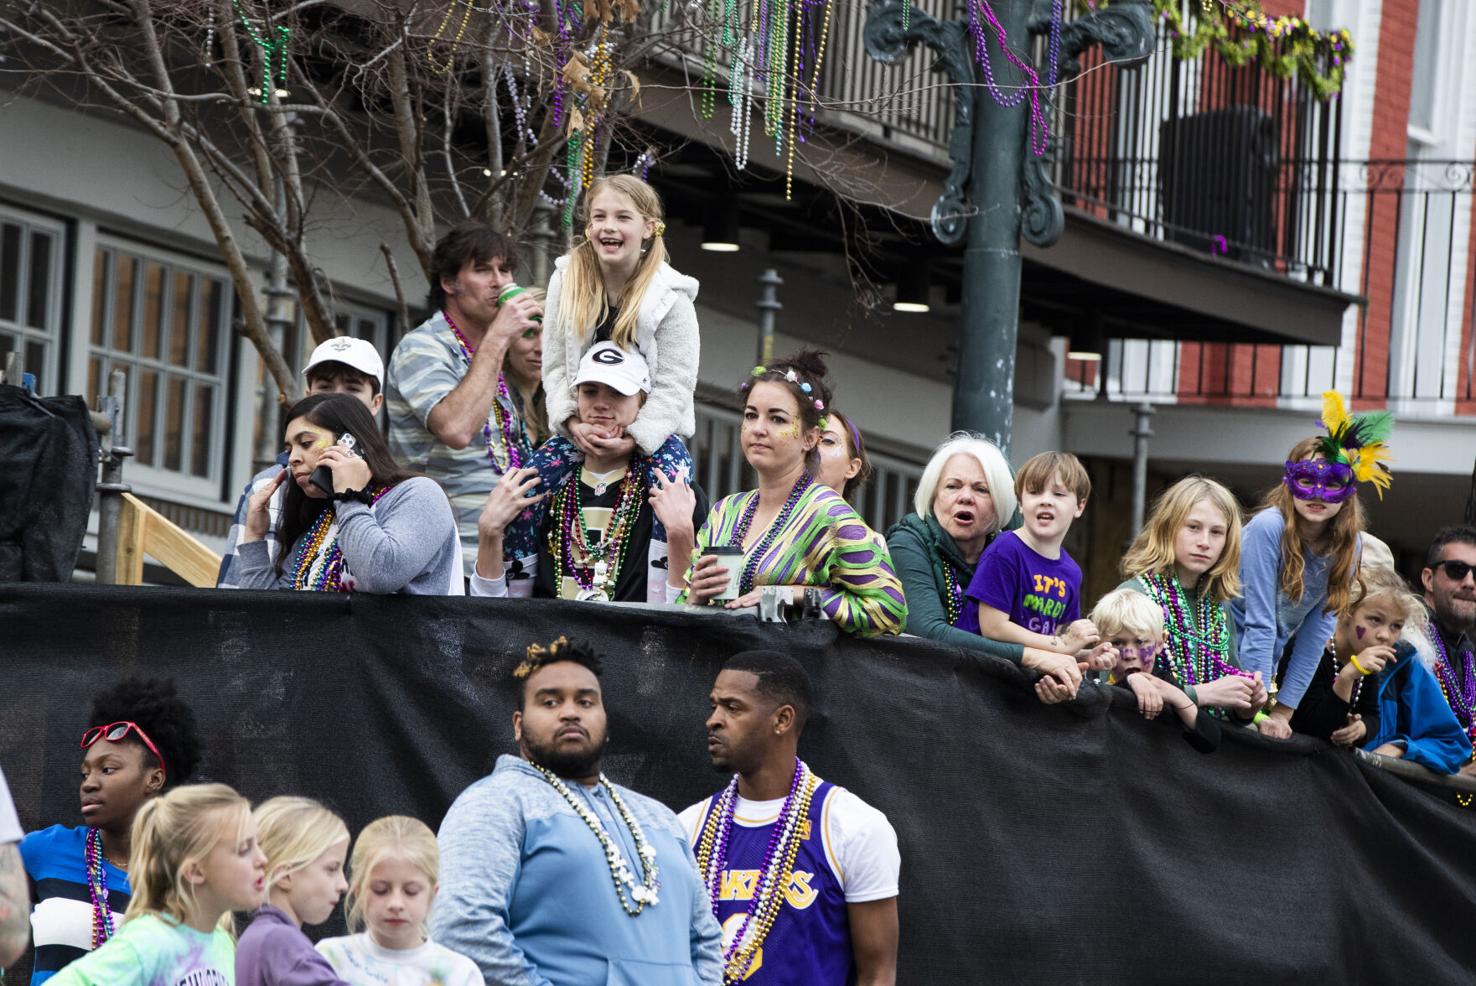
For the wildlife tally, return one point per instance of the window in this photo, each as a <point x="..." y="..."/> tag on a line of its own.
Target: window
<point x="165" y="324"/>
<point x="1425" y="87"/>
<point x="30" y="296"/>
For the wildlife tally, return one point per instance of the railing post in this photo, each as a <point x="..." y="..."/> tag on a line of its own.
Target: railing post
<point x="112" y="487"/>
<point x="1142" y="431"/>
<point x="768" y="306"/>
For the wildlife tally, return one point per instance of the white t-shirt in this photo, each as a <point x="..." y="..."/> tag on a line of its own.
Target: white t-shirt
<point x="363" y="962"/>
<point x="10" y="826"/>
<point x="860" y="844"/>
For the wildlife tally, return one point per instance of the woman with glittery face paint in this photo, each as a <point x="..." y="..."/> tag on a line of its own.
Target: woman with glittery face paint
<point x="370" y="526"/>
<point x="1297" y="568"/>
<point x="795" y="533"/>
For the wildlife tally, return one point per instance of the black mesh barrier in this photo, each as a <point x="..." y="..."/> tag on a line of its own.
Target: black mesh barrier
<point x="1039" y="845"/>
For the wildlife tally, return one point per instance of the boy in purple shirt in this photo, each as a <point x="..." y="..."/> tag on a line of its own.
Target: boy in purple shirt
<point x="1027" y="590"/>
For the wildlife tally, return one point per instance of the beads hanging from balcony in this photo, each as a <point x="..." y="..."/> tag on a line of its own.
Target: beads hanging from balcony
<point x="780" y="53"/>
<point x="1240" y="32"/>
<point x="980" y="11"/>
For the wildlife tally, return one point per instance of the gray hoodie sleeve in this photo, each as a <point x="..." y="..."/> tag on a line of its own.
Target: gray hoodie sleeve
<point x="388" y="546"/>
<point x="481" y="841"/>
<point x="255" y="568"/>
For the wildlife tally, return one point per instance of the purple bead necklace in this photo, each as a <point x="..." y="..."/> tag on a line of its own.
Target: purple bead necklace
<point x="785" y="827"/>
<point x="1460" y="694"/>
<point x="745" y="521"/>
<point x="97" y="889"/>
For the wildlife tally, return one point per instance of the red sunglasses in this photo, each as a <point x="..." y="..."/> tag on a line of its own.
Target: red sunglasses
<point x="114" y="732"/>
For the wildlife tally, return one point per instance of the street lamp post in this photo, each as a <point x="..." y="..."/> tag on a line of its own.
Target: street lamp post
<point x="997" y="190"/>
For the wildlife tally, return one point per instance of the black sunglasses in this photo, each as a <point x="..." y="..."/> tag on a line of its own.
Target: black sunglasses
<point x="1455" y="570"/>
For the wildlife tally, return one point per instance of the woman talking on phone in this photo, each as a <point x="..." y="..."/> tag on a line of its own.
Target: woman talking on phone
<point x="353" y="519"/>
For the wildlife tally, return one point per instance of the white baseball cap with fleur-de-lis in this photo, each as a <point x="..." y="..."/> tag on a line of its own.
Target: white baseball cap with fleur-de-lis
<point x="357" y="353"/>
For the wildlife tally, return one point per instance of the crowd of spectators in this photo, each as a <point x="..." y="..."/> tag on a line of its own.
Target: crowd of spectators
<point x="536" y="447"/>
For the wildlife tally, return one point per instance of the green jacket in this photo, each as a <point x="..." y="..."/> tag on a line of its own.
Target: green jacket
<point x="920" y="548"/>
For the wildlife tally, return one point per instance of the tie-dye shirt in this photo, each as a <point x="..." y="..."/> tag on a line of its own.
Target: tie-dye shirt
<point x="155" y="951"/>
<point x="823" y="543"/>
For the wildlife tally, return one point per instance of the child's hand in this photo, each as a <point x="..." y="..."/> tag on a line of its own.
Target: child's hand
<point x="1079" y="636"/>
<point x="1051" y="692"/>
<point x="508" y="498"/>
<point x="1234" y="692"/>
<point x="1372" y="660"/>
<point x="1274" y="727"/>
<point x="1351" y="734"/>
<point x="1103" y="657"/>
<point x="673" y="503"/>
<point x="1150" y="699"/>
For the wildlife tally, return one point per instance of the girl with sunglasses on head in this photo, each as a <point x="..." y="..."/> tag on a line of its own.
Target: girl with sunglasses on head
<point x="1300" y="555"/>
<point x="140" y="741"/>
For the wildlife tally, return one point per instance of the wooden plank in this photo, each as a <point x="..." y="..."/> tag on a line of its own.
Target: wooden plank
<point x="132" y="528"/>
<point x="172" y="546"/>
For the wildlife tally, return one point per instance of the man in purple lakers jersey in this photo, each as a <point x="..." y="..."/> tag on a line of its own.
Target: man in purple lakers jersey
<point x="802" y="875"/>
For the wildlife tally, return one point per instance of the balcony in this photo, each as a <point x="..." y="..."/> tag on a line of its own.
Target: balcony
<point x="1403" y="228"/>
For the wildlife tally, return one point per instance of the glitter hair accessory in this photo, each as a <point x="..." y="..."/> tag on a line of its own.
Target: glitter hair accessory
<point x="1360" y="442"/>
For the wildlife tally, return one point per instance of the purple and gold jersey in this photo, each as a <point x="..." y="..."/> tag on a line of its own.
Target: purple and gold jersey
<point x="810" y="942"/>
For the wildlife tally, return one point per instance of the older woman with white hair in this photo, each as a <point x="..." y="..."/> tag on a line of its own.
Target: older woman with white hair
<point x="965" y="497"/>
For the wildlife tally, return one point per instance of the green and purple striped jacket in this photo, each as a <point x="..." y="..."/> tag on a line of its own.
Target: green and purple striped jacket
<point x="824" y="543"/>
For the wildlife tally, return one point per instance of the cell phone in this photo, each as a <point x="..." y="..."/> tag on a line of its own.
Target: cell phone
<point x="322" y="477"/>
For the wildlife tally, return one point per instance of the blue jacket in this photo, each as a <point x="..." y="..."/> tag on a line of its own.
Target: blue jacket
<point x="1413" y="712"/>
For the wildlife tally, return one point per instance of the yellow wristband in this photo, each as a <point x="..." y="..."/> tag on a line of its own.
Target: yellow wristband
<point x="1259" y="718"/>
<point x="1361" y="669"/>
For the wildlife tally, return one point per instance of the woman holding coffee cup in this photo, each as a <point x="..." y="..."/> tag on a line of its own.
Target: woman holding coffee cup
<point x="792" y="532"/>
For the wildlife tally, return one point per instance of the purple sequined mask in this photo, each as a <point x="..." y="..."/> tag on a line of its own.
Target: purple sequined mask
<point x="1318" y="479"/>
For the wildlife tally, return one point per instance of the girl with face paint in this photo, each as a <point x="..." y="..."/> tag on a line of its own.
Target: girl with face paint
<point x="1300" y="556"/>
<point x="1134" y="625"/>
<point x="1373" y="690"/>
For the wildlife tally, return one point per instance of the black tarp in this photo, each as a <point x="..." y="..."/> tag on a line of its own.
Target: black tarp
<point x="1039" y="845"/>
<point x="48" y="467"/>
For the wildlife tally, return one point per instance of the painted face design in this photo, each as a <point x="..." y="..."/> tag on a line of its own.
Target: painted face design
<point x="1318" y="479"/>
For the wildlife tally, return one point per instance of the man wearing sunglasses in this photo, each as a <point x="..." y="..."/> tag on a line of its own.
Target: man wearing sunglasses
<point x="1450" y="591"/>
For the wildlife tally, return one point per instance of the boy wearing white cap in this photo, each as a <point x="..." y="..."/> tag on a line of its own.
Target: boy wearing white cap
<point x="342" y="365"/>
<point x="594" y="540"/>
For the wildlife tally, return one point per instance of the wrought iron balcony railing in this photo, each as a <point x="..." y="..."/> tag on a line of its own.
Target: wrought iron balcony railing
<point x="1407" y="229"/>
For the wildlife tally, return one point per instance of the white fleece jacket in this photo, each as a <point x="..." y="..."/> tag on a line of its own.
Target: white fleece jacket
<point x="666" y="335"/>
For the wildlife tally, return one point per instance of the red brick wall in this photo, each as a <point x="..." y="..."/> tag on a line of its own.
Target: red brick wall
<point x="1389" y="140"/>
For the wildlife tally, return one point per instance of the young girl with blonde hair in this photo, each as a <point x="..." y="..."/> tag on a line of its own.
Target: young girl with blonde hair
<point x="395" y="869"/>
<point x="1373" y="690"/>
<point x="1187" y="560"/>
<point x="616" y="285"/>
<point x="1301" y="554"/>
<point x="305" y="845"/>
<point x="194" y="860"/>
